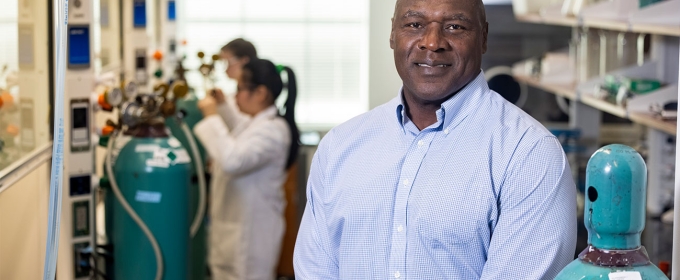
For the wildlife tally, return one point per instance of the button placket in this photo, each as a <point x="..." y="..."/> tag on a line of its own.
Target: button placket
<point x="409" y="170"/>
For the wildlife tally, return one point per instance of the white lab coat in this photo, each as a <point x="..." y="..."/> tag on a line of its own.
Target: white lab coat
<point x="247" y="200"/>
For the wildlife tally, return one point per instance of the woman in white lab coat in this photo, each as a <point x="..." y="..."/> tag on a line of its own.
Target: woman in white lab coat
<point x="250" y="157"/>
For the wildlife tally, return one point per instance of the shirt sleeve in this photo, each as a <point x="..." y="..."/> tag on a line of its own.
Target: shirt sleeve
<point x="237" y="157"/>
<point x="313" y="258"/>
<point x="231" y="115"/>
<point x="535" y="236"/>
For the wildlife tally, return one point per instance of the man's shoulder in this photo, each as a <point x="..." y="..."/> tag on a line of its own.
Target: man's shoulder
<point x="514" y="119"/>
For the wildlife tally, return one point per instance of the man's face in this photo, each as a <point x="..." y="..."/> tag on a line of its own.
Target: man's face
<point x="438" y="46"/>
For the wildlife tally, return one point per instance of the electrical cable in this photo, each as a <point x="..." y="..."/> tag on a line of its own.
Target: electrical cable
<point x="130" y="211"/>
<point x="200" y="173"/>
<point x="56" y="181"/>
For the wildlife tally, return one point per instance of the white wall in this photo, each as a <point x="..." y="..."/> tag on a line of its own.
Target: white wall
<point x="23" y="226"/>
<point x="383" y="80"/>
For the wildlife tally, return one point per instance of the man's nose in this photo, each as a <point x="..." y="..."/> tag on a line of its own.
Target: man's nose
<point x="433" y="39"/>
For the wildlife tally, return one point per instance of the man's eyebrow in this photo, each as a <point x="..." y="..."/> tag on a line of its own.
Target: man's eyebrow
<point x="411" y="13"/>
<point x="459" y="16"/>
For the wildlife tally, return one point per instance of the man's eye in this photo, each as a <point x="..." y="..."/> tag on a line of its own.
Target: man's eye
<point x="454" y="27"/>
<point x="414" y="25"/>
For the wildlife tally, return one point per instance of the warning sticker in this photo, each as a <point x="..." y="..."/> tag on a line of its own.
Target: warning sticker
<point x="625" y="275"/>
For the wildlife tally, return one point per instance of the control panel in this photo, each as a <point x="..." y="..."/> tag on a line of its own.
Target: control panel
<point x="77" y="232"/>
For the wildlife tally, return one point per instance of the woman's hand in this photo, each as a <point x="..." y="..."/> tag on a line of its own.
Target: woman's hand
<point x="208" y="106"/>
<point x="217" y="94"/>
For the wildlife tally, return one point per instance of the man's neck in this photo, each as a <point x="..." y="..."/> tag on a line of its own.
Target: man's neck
<point x="422" y="114"/>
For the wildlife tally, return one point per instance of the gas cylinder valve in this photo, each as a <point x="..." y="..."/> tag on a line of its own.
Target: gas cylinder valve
<point x="614" y="214"/>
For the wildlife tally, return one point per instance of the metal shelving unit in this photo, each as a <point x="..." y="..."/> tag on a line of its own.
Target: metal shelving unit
<point x="661" y="22"/>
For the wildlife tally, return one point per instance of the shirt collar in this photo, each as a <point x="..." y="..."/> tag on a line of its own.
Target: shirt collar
<point x="454" y="109"/>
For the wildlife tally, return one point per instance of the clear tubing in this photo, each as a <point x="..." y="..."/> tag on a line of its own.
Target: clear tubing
<point x="196" y="224"/>
<point x="54" y="216"/>
<point x="131" y="212"/>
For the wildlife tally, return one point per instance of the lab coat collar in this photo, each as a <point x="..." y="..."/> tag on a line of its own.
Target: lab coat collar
<point x="268" y="113"/>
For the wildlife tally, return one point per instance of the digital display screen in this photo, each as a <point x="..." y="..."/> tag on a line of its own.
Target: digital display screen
<point x="140" y="60"/>
<point x="80" y="185"/>
<point x="173" y="46"/>
<point x="79" y="118"/>
<point x="81" y="218"/>
<point x="139" y="14"/>
<point x="172" y="16"/>
<point x="78" y="46"/>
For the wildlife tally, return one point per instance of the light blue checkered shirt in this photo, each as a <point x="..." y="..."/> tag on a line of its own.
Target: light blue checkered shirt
<point x="484" y="193"/>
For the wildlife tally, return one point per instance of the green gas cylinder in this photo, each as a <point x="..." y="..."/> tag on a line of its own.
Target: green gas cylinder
<point x="614" y="214"/>
<point x="153" y="174"/>
<point x="192" y="115"/>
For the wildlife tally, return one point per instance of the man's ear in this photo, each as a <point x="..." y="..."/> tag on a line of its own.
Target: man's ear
<point x="486" y="33"/>
<point x="392" y="45"/>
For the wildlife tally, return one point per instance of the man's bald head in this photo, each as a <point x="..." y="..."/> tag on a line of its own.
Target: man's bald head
<point x="478" y="4"/>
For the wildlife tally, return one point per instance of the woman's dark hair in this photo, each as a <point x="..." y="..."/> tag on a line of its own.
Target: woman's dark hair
<point x="241" y="48"/>
<point x="263" y="72"/>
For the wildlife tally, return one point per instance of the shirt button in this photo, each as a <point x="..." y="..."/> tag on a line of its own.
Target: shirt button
<point x="397" y="275"/>
<point x="446" y="131"/>
<point x="405" y="182"/>
<point x="400" y="228"/>
<point x="420" y="143"/>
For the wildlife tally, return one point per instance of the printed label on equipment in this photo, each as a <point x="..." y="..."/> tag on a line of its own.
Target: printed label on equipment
<point x="158" y="162"/>
<point x="625" y="275"/>
<point x="182" y="156"/>
<point x="148" y="197"/>
<point x="164" y="157"/>
<point x="146" y="148"/>
<point x="173" y="142"/>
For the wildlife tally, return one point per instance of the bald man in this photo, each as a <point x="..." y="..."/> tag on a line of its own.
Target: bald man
<point x="447" y="180"/>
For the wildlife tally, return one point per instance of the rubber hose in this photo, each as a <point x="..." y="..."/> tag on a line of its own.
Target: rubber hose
<point x="200" y="173"/>
<point x="131" y="212"/>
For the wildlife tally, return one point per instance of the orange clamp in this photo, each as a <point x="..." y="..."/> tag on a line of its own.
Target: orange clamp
<point x="158" y="55"/>
<point x="101" y="100"/>
<point x="107" y="130"/>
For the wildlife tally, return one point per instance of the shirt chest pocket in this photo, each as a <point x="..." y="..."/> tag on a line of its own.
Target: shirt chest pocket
<point x="446" y="221"/>
<point x="444" y="231"/>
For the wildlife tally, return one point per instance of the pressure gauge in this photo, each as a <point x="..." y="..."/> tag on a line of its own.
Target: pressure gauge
<point x="161" y="89"/>
<point x="131" y="113"/>
<point x="114" y="97"/>
<point x="131" y="90"/>
<point x="179" y="90"/>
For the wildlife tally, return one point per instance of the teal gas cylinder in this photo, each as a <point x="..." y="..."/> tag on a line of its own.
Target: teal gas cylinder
<point x="198" y="250"/>
<point x="188" y="104"/>
<point x="614" y="214"/>
<point x="153" y="174"/>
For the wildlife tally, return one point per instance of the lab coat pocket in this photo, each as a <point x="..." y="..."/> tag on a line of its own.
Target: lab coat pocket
<point x="225" y="247"/>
